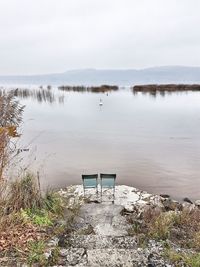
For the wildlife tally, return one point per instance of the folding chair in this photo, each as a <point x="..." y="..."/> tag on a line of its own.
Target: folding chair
<point x="90" y="181"/>
<point x="108" y="181"/>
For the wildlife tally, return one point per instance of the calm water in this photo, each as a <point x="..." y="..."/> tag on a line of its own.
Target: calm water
<point x="150" y="142"/>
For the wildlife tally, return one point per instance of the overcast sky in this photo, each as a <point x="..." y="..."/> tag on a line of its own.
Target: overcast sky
<point x="47" y="36"/>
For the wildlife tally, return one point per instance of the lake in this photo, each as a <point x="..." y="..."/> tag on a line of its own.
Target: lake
<point x="150" y="141"/>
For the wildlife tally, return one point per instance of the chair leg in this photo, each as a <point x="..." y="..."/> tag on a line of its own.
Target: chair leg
<point x="97" y="191"/>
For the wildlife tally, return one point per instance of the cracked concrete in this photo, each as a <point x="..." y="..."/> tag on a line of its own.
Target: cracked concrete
<point x="105" y="219"/>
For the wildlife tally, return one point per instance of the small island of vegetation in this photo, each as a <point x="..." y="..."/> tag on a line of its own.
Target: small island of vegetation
<point x="166" y="87"/>
<point x="94" y="89"/>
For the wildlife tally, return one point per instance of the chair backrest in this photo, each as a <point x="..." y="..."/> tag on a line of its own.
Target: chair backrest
<point x="90" y="181"/>
<point x="108" y="180"/>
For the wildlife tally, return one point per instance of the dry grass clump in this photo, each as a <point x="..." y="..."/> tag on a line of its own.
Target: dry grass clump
<point x="24" y="194"/>
<point x="196" y="240"/>
<point x="182" y="228"/>
<point x="174" y="229"/>
<point x="189" y="219"/>
<point x="15" y="196"/>
<point x="186" y="229"/>
<point x="25" y="213"/>
<point x="4" y="150"/>
<point x="153" y="223"/>
<point x="160" y="227"/>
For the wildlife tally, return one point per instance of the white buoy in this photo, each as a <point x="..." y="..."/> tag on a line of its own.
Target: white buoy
<point x="100" y="103"/>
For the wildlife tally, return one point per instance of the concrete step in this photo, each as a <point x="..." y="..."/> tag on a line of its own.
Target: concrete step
<point x="98" y="242"/>
<point x="109" y="257"/>
<point x="115" y="257"/>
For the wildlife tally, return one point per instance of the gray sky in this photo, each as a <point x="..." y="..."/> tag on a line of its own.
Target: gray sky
<point x="46" y="36"/>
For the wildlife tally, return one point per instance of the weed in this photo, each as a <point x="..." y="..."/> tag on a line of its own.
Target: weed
<point x="36" y="253"/>
<point x="136" y="228"/>
<point x="37" y="217"/>
<point x="53" y="259"/>
<point x="193" y="260"/>
<point x="53" y="203"/>
<point x="160" y="228"/>
<point x="196" y="241"/>
<point x="173" y="256"/>
<point x="182" y="259"/>
<point x="24" y="193"/>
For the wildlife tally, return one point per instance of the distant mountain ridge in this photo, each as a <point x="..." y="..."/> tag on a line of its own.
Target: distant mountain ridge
<point x="129" y="77"/>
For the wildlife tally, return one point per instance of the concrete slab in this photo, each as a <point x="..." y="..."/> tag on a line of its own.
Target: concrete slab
<point x="105" y="219"/>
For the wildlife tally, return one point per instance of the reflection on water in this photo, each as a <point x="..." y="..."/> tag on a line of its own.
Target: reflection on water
<point x="159" y="93"/>
<point x="150" y="142"/>
<point x="52" y="95"/>
<point x="39" y="94"/>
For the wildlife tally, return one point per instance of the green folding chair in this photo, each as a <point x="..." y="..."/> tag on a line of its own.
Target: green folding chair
<point x="90" y="181"/>
<point x="108" y="181"/>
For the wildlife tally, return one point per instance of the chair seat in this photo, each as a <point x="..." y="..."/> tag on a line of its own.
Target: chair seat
<point x="108" y="181"/>
<point x="90" y="181"/>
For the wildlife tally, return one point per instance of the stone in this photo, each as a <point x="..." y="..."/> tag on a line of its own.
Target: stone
<point x="170" y="204"/>
<point x="53" y="242"/>
<point x="63" y="252"/>
<point x="73" y="256"/>
<point x="165" y="195"/>
<point x="197" y="203"/>
<point x="186" y="199"/>
<point x="188" y="206"/>
<point x="47" y="254"/>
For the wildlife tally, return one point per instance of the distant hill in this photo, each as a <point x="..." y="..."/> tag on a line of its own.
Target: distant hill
<point x="161" y="75"/>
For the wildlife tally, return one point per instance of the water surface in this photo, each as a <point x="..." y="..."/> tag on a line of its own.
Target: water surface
<point x="151" y="142"/>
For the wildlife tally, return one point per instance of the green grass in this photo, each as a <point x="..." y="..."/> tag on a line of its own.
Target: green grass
<point x="36" y="253"/>
<point x="53" y="203"/>
<point x="182" y="259"/>
<point x="51" y="208"/>
<point x="37" y="217"/>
